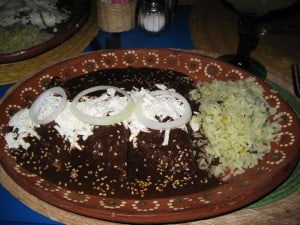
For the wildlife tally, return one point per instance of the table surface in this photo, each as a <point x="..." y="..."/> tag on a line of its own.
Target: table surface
<point x="15" y="212"/>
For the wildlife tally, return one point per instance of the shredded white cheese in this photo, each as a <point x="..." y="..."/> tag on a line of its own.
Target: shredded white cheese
<point x="105" y="105"/>
<point x="72" y="128"/>
<point x="162" y="107"/>
<point x="48" y="106"/>
<point x="22" y="127"/>
<point x="36" y="12"/>
<point x="132" y="123"/>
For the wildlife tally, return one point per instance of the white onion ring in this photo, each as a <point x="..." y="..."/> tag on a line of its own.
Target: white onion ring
<point x="104" y="120"/>
<point x="36" y="106"/>
<point x="157" y="125"/>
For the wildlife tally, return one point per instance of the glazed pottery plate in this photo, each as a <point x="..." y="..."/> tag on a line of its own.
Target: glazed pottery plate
<point x="47" y="37"/>
<point x="236" y="193"/>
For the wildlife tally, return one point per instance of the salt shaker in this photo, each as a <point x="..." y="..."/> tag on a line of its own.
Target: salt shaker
<point x="153" y="16"/>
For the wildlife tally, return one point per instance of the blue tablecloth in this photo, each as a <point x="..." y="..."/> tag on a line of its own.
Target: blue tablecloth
<point x="14" y="212"/>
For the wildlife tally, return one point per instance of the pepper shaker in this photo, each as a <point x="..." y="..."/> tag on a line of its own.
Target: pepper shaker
<point x="153" y="17"/>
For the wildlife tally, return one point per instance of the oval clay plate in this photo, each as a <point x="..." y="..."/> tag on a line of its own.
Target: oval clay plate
<point x="79" y="13"/>
<point x="233" y="194"/>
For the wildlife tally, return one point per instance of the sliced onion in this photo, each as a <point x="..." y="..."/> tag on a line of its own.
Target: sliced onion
<point x="103" y="120"/>
<point x="157" y="125"/>
<point x="35" y="108"/>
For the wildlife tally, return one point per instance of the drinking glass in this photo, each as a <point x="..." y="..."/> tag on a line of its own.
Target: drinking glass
<point x="250" y="12"/>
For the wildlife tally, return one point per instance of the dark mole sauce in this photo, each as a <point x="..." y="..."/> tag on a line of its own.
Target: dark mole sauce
<point x="108" y="164"/>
